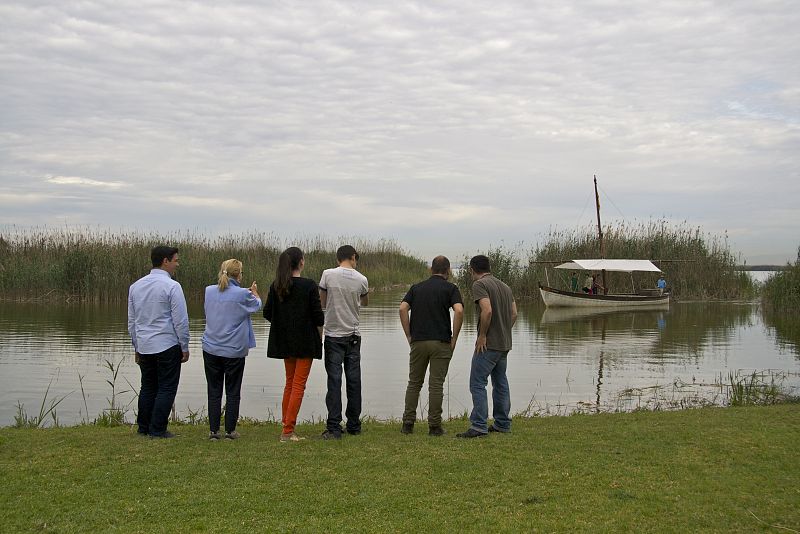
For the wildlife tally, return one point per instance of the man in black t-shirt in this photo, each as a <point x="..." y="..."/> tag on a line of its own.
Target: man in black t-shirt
<point x="431" y="339"/>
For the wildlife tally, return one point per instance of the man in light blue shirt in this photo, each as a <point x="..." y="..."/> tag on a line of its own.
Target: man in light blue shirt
<point x="661" y="284"/>
<point x="159" y="327"/>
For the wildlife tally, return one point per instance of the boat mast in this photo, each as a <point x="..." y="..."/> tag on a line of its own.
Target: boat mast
<point x="600" y="233"/>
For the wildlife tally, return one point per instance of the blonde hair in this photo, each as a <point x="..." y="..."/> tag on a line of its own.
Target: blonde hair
<point x="229" y="269"/>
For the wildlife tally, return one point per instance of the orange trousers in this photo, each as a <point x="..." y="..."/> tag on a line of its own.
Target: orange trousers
<point x="297" y="371"/>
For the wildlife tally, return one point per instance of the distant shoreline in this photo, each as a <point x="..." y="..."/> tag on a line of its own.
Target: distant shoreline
<point x="761" y="267"/>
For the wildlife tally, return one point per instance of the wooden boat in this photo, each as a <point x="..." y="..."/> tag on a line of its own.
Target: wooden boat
<point x="650" y="297"/>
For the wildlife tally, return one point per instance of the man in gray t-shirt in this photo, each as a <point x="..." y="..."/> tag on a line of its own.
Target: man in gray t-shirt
<point x="342" y="292"/>
<point x="497" y="313"/>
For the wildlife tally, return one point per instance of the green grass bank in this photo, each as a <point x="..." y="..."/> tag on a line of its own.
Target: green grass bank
<point x="96" y="264"/>
<point x="705" y="470"/>
<point x="780" y="299"/>
<point x="781" y="292"/>
<point x="696" y="265"/>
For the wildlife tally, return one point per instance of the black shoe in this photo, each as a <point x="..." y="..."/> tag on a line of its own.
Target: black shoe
<point x="437" y="431"/>
<point x="329" y="434"/>
<point x="166" y="435"/>
<point x="493" y="428"/>
<point x="354" y="432"/>
<point x="472" y="433"/>
<point x="407" y="428"/>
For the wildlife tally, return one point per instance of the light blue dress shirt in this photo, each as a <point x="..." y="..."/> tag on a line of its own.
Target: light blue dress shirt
<point x="157" y="316"/>
<point x="661" y="284"/>
<point x="229" y="330"/>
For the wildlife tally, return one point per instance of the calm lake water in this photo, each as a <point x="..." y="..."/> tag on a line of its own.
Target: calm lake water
<point x="561" y="361"/>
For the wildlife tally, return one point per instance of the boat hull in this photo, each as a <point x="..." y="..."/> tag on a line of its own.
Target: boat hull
<point x="554" y="298"/>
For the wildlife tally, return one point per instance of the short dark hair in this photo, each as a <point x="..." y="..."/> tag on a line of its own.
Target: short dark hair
<point x="161" y="253"/>
<point x="480" y="264"/>
<point x="440" y="265"/>
<point x="345" y="252"/>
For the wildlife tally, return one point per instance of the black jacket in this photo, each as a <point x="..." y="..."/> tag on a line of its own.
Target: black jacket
<point x="293" y="332"/>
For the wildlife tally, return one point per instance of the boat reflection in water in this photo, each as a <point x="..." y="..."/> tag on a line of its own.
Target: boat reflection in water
<point x="677" y="349"/>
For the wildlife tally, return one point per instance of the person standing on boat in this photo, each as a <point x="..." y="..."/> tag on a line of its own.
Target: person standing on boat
<point x="573" y="282"/>
<point x="431" y="340"/>
<point x="159" y="327"/>
<point x="293" y="308"/>
<point x="497" y="313"/>
<point x="227" y="339"/>
<point x="596" y="287"/>
<point x="661" y="284"/>
<point x="343" y="291"/>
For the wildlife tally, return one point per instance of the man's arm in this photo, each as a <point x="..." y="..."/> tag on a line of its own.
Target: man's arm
<point x="485" y="318"/>
<point x="323" y="298"/>
<point x="513" y="312"/>
<point x="404" y="320"/>
<point x="180" y="319"/>
<point x="458" y="320"/>
<point x="132" y="321"/>
<point x="365" y="293"/>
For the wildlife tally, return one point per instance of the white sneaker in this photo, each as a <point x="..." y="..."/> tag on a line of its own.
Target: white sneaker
<point x="291" y="437"/>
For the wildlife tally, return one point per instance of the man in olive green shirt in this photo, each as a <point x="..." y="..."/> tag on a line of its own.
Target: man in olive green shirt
<point x="497" y="313"/>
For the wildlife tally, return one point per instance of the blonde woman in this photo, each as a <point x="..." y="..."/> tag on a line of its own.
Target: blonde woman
<point x="295" y="336"/>
<point x="226" y="341"/>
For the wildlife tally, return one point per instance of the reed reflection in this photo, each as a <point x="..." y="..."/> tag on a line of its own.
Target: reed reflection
<point x="786" y="328"/>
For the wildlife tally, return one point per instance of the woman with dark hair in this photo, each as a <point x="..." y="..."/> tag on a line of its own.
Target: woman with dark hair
<point x="227" y="339"/>
<point x="295" y="336"/>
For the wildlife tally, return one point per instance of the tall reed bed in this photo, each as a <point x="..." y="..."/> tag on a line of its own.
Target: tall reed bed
<point x="99" y="264"/>
<point x="781" y="292"/>
<point x="696" y="265"/>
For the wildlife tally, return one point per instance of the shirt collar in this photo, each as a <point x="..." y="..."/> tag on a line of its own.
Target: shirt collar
<point x="156" y="270"/>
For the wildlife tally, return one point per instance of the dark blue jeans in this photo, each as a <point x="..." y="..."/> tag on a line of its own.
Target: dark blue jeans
<point x="485" y="364"/>
<point x="227" y="371"/>
<point x="160" y="375"/>
<point x="343" y="352"/>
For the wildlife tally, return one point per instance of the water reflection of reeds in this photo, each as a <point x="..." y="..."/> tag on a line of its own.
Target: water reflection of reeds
<point x="786" y="328"/>
<point x="680" y="329"/>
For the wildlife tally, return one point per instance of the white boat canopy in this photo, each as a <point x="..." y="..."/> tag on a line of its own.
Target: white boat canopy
<point x="623" y="266"/>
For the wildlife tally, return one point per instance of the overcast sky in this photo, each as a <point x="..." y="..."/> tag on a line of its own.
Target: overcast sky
<point x="448" y="126"/>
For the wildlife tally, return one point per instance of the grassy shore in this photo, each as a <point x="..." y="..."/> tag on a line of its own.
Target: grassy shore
<point x="781" y="292"/>
<point x="97" y="264"/>
<point x="780" y="298"/>
<point x="696" y="265"/>
<point x="707" y="470"/>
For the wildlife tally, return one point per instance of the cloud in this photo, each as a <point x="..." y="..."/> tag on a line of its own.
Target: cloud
<point x="204" y="202"/>
<point x="15" y="199"/>
<point x="85" y="182"/>
<point x="487" y="122"/>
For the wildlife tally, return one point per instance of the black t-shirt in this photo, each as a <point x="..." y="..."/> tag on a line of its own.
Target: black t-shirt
<point x="430" y="303"/>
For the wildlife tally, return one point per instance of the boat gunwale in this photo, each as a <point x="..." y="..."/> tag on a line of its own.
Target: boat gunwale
<point x="608" y="298"/>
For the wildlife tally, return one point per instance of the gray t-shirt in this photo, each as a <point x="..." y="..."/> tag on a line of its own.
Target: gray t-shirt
<point x="343" y="287"/>
<point x="498" y="337"/>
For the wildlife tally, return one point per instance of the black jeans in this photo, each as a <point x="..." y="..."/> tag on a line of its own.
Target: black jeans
<point x="343" y="352"/>
<point x="160" y="375"/>
<point x="229" y="371"/>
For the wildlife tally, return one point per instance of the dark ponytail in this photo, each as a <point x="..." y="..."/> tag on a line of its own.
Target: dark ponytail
<point x="288" y="261"/>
